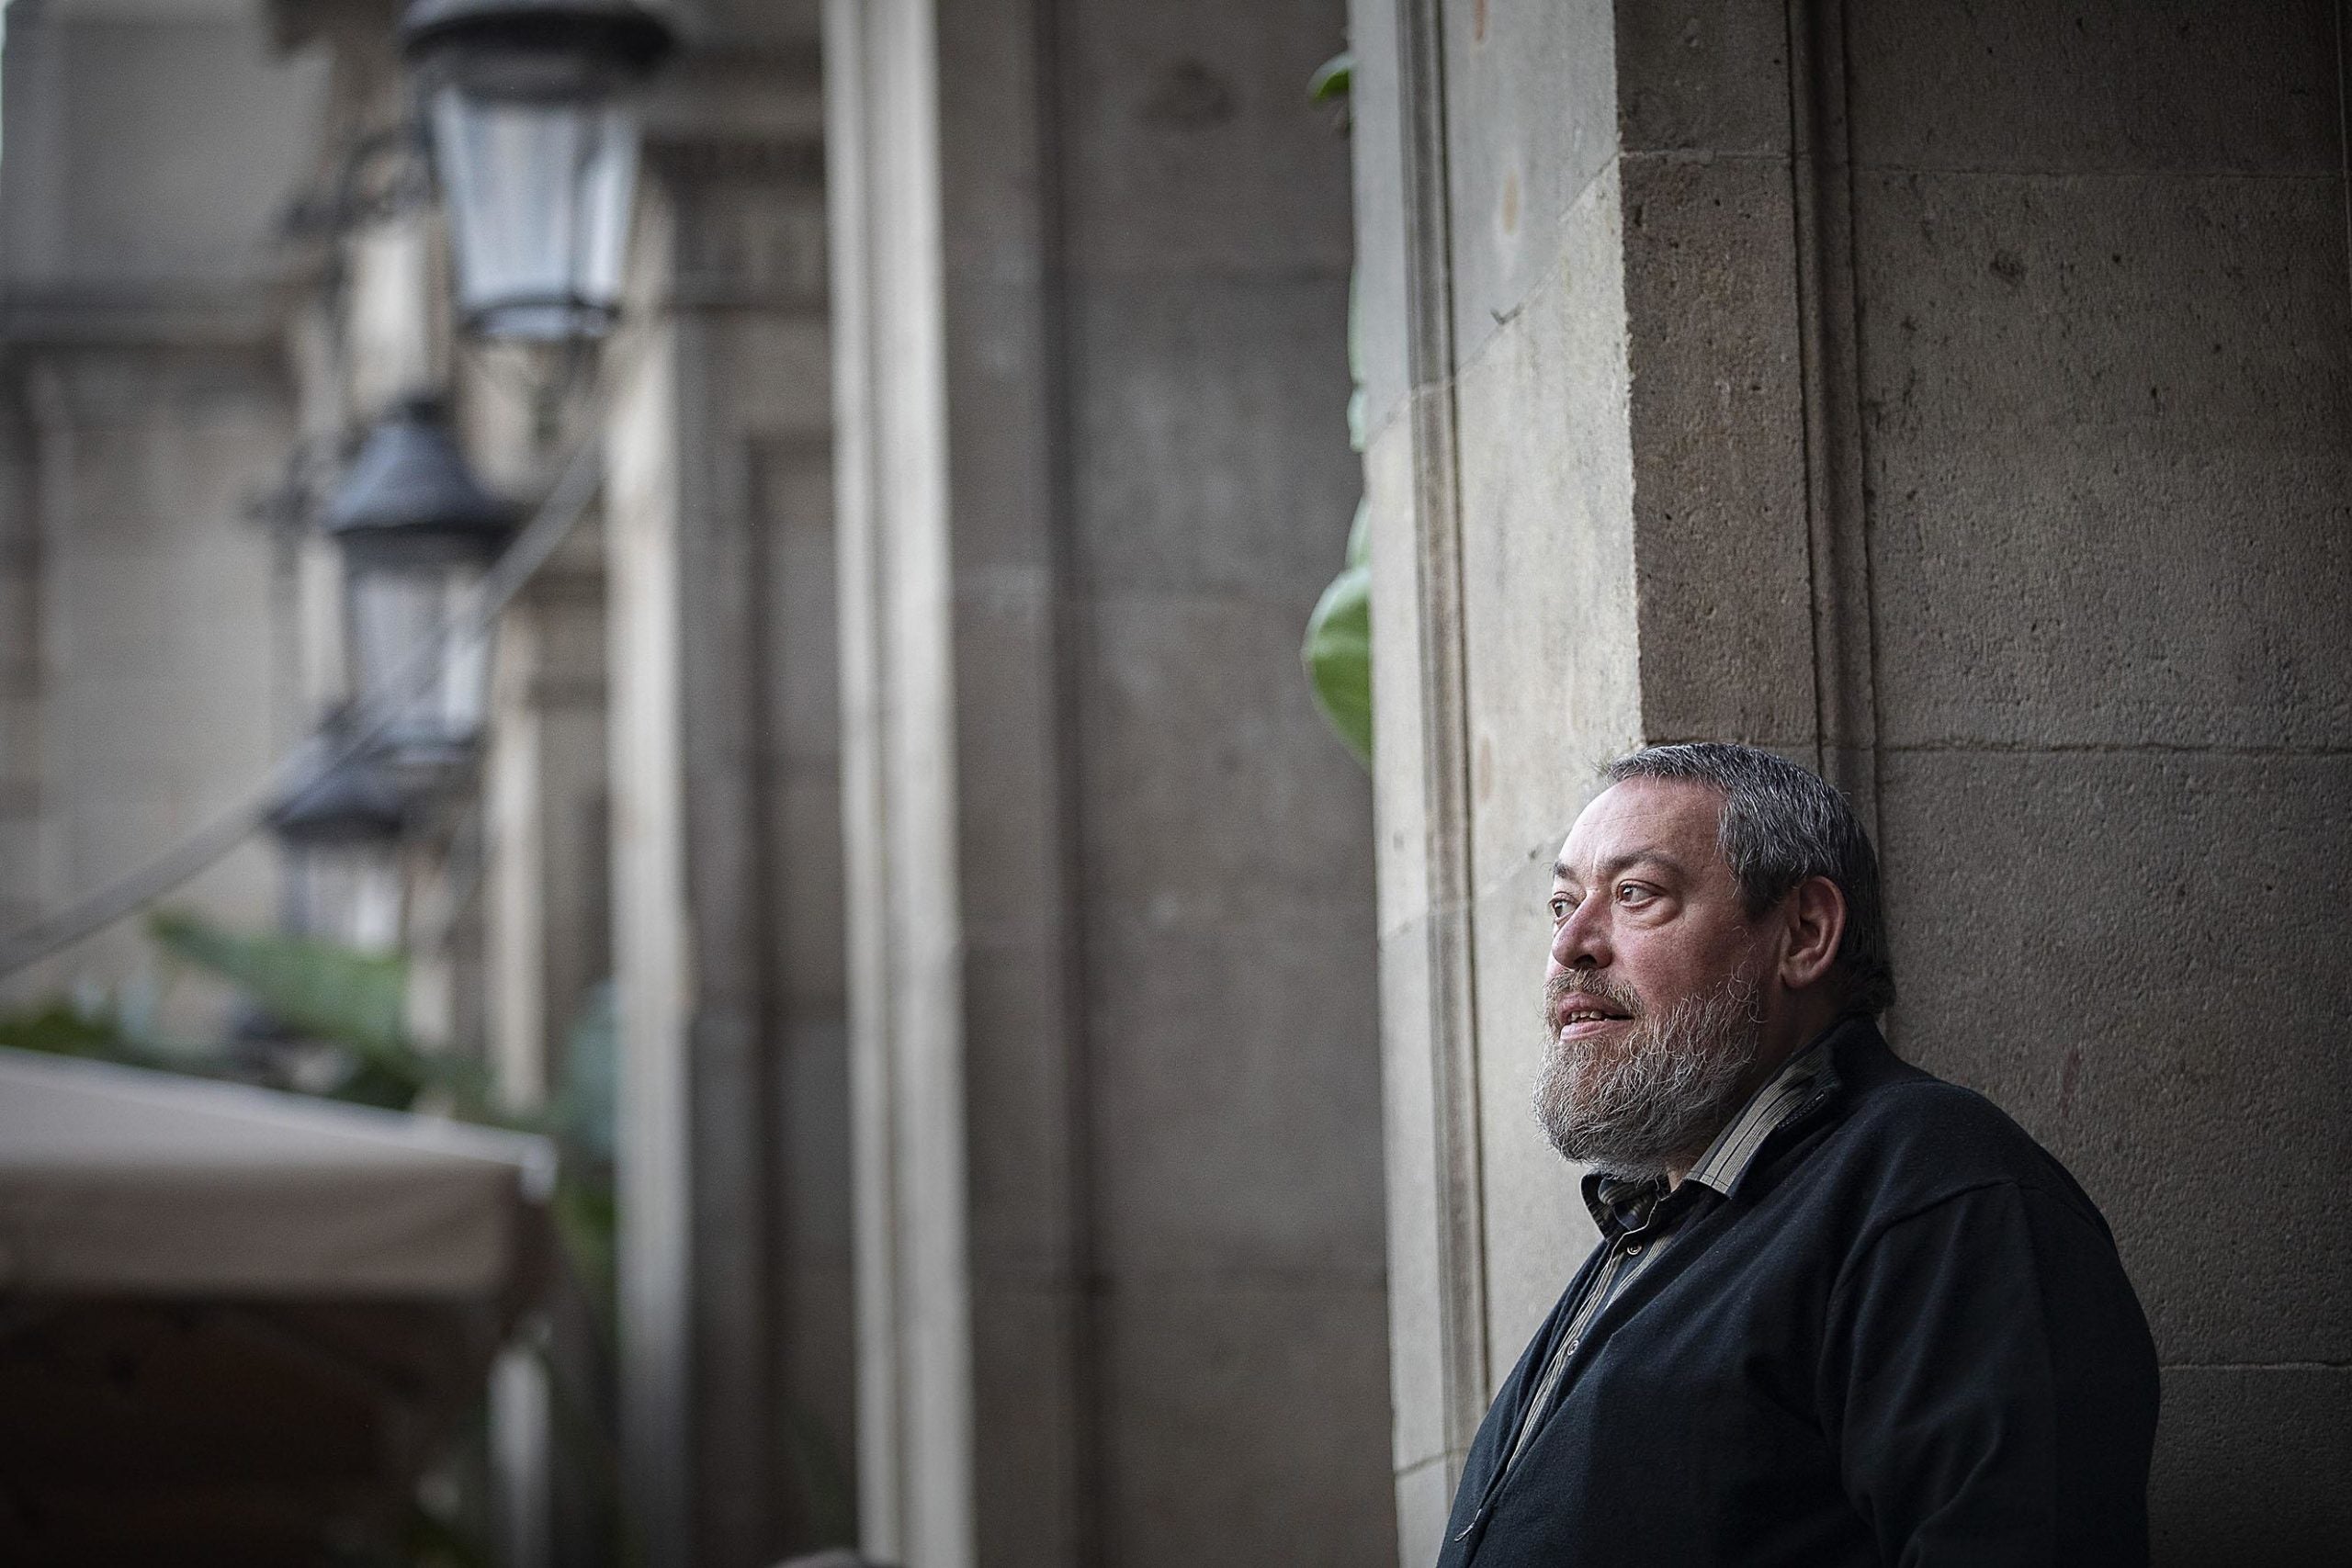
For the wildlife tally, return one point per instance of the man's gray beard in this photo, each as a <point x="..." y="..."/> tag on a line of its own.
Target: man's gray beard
<point x="1659" y="1097"/>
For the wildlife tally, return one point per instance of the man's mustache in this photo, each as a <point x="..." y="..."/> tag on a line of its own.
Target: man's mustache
<point x="1588" y="983"/>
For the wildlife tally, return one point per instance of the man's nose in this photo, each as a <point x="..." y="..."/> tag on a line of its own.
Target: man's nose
<point x="1581" y="942"/>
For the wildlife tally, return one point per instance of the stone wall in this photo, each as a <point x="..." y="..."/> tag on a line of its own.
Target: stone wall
<point x="1956" y="403"/>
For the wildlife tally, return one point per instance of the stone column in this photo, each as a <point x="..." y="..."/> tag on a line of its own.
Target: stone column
<point x="724" y="814"/>
<point x="1119" y="1240"/>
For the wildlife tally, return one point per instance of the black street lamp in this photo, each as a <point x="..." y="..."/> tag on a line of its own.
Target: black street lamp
<point x="535" y="137"/>
<point x="417" y="532"/>
<point x="340" y="828"/>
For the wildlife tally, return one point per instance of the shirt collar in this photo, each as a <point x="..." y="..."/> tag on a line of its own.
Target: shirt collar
<point x="1622" y="1203"/>
<point x="1725" y="1163"/>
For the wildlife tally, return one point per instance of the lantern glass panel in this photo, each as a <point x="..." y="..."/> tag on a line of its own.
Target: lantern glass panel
<point x="397" y="614"/>
<point x="349" y="895"/>
<point x="539" y="188"/>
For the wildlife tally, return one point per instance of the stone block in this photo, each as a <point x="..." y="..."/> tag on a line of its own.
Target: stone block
<point x="998" y="451"/>
<point x="2138" y="955"/>
<point x="19" y="868"/>
<point x="2250" y="1466"/>
<point x="1532" y="121"/>
<point x="1404" y="720"/>
<point x="1723" y="557"/>
<point x="1537" y="1229"/>
<point x="1008" y="788"/>
<point x="1417" y="1206"/>
<point x="1189" y="144"/>
<point x="1424" y="1501"/>
<point x="1703" y="76"/>
<point x="804" y="654"/>
<point x="804" y="844"/>
<point x="1020" y="1143"/>
<point x="1234" y="1077"/>
<point x="1213" y="790"/>
<point x="1547" y="542"/>
<point x="773" y="372"/>
<point x="990" y="144"/>
<point x="2102" y="421"/>
<point x="812" y="1114"/>
<point x="1211" y="437"/>
<point x="1245" y="1422"/>
<point x="2097" y="86"/>
<point x="1029" y="1464"/>
<point x="1377" y="107"/>
<point x="818" y="1389"/>
<point x="20" y="754"/>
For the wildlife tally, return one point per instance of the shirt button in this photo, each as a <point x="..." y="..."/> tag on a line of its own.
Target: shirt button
<point x="1633" y="1250"/>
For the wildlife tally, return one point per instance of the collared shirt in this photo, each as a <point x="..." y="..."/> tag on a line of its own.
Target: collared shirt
<point x="1639" y="1217"/>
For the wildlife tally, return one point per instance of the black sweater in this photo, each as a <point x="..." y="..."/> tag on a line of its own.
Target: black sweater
<point x="1904" y="1339"/>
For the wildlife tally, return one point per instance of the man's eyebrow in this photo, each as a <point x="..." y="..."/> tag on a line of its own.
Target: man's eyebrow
<point x="1561" y="872"/>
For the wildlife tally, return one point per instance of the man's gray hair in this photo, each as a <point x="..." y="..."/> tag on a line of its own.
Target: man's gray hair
<point x="1782" y="824"/>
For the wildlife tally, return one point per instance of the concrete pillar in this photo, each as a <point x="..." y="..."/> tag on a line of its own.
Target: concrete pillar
<point x="724" y="814"/>
<point x="1858" y="385"/>
<point x="1113" y="1014"/>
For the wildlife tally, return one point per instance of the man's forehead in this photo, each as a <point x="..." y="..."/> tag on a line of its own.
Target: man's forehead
<point x="1677" y="818"/>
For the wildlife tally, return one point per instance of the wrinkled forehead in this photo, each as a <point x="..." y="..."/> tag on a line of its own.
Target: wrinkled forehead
<point x="1679" y="818"/>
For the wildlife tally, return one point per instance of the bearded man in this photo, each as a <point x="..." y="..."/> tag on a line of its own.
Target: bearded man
<point x="1841" y="1313"/>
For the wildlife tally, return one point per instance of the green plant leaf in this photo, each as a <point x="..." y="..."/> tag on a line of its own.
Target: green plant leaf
<point x="354" y="999"/>
<point x="358" y="1001"/>
<point x="1338" y="656"/>
<point x="1333" y="79"/>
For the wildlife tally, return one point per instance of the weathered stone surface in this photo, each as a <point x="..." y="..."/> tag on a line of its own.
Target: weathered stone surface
<point x="1200" y="1373"/>
<point x="2250" y="1466"/>
<point x="2138" y="955"/>
<point x="1038" y="1459"/>
<point x="2106" y="481"/>
<point x="1703" y="76"/>
<point x="1418" y="1287"/>
<point x="2112" y="84"/>
<point x="1234" y="1082"/>
<point x="1213" y="792"/>
<point x="1721" y="556"/>
<point x="1024" y="1227"/>
<point x="1548" y="586"/>
<point x="1191" y="148"/>
<point x="1532" y="122"/>
<point x="1378" y="116"/>
<point x="1424" y="1499"/>
<point x="999" y="463"/>
<point x="1211" y="426"/>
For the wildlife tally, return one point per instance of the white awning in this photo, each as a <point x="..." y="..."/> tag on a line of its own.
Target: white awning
<point x="115" y="1180"/>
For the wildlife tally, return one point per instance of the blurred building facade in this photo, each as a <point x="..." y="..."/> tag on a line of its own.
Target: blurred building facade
<point x="1011" y="1151"/>
<point x="1106" y="1066"/>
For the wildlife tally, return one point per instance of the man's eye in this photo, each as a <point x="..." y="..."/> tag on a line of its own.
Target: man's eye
<point x="1560" y="908"/>
<point x="1633" y="893"/>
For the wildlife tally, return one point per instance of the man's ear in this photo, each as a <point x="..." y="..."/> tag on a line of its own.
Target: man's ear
<point x="1815" y="914"/>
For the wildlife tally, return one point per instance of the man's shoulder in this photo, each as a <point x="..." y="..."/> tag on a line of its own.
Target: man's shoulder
<point x="1919" y="1140"/>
